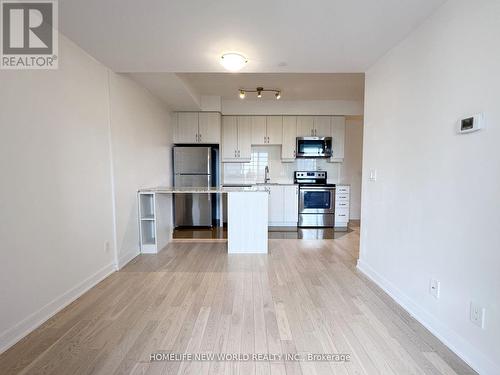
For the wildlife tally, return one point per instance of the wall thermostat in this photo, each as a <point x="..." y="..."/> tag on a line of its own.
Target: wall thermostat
<point x="470" y="123"/>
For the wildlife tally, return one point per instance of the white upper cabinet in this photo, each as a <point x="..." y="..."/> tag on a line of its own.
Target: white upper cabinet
<point x="289" y="142"/>
<point x="267" y="130"/>
<point x="197" y="127"/>
<point x="209" y="127"/>
<point x="236" y="138"/>
<point x="229" y="138"/>
<point x="274" y="130"/>
<point x="338" y="138"/>
<point x="305" y="126"/>
<point x="186" y="127"/>
<point x="244" y="138"/>
<point x="239" y="133"/>
<point x="322" y="126"/>
<point x="259" y="132"/>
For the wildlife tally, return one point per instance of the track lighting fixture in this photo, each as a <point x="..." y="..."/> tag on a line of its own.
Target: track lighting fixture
<point x="259" y="91"/>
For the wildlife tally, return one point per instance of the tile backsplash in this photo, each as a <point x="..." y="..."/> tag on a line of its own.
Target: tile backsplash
<point x="280" y="172"/>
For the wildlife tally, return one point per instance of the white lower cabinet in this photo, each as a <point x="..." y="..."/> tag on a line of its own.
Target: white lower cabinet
<point x="283" y="204"/>
<point x="342" y="199"/>
<point x="276" y="209"/>
<point x="291" y="204"/>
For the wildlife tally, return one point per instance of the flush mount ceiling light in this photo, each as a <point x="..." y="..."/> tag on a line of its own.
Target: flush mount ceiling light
<point x="233" y="61"/>
<point x="259" y="91"/>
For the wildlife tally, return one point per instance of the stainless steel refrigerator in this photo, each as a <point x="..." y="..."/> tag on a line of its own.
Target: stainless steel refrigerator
<point x="195" y="167"/>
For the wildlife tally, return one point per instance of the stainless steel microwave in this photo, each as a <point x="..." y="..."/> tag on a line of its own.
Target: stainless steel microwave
<point x="314" y="147"/>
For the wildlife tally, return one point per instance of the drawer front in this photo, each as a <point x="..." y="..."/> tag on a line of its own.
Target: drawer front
<point x="342" y="197"/>
<point x="341" y="204"/>
<point x="342" y="214"/>
<point x="342" y="189"/>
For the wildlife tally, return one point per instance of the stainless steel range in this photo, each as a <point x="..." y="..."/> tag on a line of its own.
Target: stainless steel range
<point x="316" y="199"/>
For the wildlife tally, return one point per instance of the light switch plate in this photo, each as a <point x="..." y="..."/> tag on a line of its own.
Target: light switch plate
<point x="434" y="288"/>
<point x="373" y="175"/>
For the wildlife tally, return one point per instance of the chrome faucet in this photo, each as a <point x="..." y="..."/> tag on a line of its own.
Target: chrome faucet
<point x="266" y="176"/>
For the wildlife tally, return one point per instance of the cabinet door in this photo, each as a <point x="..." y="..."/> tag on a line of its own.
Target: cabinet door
<point x="338" y="138"/>
<point x="244" y="138"/>
<point x="259" y="136"/>
<point x="289" y="138"/>
<point x="187" y="127"/>
<point x="274" y="130"/>
<point x="229" y="138"/>
<point x="275" y="205"/>
<point x="209" y="127"/>
<point x="291" y="204"/>
<point x="322" y="126"/>
<point x="305" y="126"/>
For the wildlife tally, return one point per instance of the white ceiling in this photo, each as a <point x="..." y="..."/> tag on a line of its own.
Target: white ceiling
<point x="294" y="86"/>
<point x="295" y="36"/>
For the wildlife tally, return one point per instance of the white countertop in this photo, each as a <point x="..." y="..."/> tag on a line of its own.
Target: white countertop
<point x="197" y="190"/>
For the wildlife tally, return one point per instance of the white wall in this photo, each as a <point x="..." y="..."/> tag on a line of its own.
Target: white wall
<point x="56" y="205"/>
<point x="141" y="148"/>
<point x="434" y="210"/>
<point x="350" y="170"/>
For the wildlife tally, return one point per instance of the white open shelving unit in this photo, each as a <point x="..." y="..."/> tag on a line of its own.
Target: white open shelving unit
<point x="155" y="223"/>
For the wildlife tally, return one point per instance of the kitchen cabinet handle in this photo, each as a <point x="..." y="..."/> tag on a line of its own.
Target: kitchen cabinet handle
<point x="234" y="153"/>
<point x="199" y="137"/>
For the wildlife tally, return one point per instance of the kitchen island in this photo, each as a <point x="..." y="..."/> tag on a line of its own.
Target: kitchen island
<point x="247" y="212"/>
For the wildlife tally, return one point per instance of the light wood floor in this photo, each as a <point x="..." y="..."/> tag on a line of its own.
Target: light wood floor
<point x="306" y="296"/>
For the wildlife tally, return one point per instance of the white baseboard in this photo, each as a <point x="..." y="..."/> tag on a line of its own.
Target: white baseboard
<point x="462" y="348"/>
<point x="124" y="259"/>
<point x="11" y="336"/>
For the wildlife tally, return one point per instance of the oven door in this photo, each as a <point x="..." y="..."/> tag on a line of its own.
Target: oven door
<point x="316" y="200"/>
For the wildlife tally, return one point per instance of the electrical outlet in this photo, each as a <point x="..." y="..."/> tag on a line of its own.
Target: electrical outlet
<point x="477" y="314"/>
<point x="434" y="288"/>
<point x="107" y="247"/>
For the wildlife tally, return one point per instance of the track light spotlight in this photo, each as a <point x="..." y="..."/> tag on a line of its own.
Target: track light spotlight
<point x="259" y="92"/>
<point x="278" y="94"/>
<point x="242" y="94"/>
